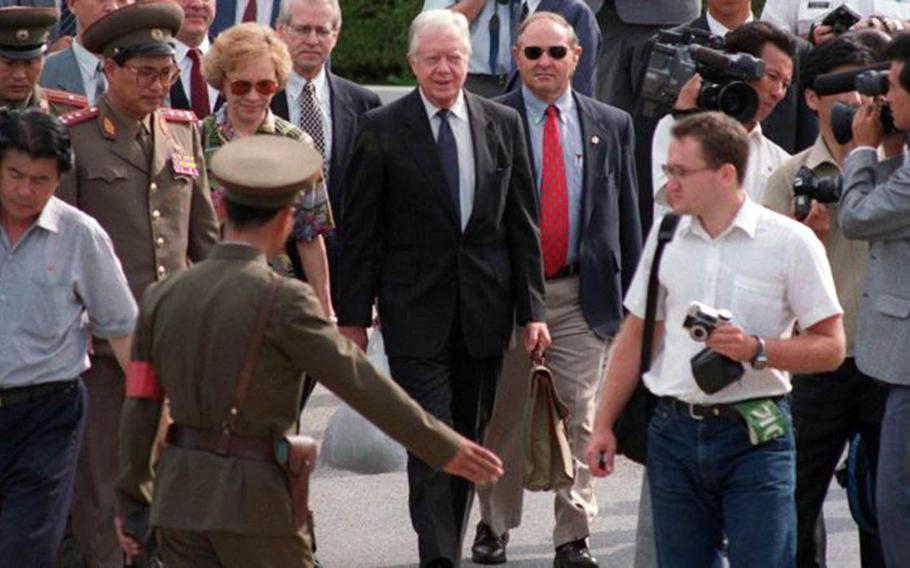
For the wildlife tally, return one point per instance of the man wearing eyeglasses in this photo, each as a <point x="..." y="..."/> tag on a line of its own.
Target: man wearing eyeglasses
<point x="139" y="171"/>
<point x="319" y="102"/>
<point x="23" y="43"/>
<point x="591" y="238"/>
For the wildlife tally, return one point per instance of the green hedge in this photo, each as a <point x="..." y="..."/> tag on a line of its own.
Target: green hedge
<point x="374" y="40"/>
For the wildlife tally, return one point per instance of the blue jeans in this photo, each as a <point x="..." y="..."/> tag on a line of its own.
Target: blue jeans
<point x="893" y="483"/>
<point x="708" y="481"/>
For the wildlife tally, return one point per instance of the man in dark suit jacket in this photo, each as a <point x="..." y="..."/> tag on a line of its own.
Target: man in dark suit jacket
<point x="310" y="29"/>
<point x="602" y="238"/>
<point x="232" y="12"/>
<point x="440" y="224"/>
<point x="191" y="91"/>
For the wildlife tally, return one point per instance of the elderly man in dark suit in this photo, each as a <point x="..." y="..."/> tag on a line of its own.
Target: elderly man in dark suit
<point x="582" y="156"/>
<point x="441" y="225"/>
<point x="191" y="92"/>
<point x="319" y="102"/>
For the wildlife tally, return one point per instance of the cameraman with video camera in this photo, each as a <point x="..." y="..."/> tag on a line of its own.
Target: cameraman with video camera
<point x="776" y="49"/>
<point x="721" y="458"/>
<point x="829" y="407"/>
<point x="879" y="212"/>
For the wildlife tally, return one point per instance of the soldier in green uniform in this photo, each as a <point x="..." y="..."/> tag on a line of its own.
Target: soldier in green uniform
<point x="23" y="43"/>
<point x="139" y="171"/>
<point x="228" y="505"/>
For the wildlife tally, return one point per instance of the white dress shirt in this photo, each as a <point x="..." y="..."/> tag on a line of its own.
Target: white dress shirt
<point x="461" y="129"/>
<point x="294" y="90"/>
<point x="718" y="28"/>
<point x="764" y="157"/>
<point x="767" y="269"/>
<point x="183" y="60"/>
<point x="88" y="69"/>
<point x="263" y="11"/>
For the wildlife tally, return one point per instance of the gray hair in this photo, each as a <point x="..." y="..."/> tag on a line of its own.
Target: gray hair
<point x="284" y="11"/>
<point x="442" y="19"/>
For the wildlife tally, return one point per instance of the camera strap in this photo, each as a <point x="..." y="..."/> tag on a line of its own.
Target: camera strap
<point x="664" y="235"/>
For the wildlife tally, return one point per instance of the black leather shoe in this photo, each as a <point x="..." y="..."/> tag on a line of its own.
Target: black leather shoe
<point x="488" y="548"/>
<point x="574" y="554"/>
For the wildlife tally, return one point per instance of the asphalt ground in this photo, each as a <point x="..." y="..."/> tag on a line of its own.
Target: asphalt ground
<point x="362" y="520"/>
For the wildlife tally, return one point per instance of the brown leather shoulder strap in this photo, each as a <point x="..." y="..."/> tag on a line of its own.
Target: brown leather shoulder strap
<point x="252" y="352"/>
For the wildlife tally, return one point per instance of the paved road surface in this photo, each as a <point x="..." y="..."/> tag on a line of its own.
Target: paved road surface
<point x="362" y="520"/>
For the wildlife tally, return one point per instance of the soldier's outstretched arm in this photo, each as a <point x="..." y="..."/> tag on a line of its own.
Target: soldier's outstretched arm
<point x="475" y="463"/>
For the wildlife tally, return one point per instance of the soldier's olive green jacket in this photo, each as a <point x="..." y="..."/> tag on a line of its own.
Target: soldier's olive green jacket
<point x="194" y="328"/>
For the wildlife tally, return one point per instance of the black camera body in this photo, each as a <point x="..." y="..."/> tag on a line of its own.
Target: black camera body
<point x="870" y="81"/>
<point x="677" y="56"/>
<point x="842" y="121"/>
<point x="807" y="185"/>
<point x="712" y="371"/>
<point x="841" y="19"/>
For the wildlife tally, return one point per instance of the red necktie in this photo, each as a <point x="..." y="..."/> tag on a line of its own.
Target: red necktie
<point x="249" y="14"/>
<point x="554" y="199"/>
<point x="199" y="92"/>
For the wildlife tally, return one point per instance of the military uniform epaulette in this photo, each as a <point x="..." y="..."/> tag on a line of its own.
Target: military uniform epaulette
<point x="80" y="116"/>
<point x="176" y="115"/>
<point x="65" y="98"/>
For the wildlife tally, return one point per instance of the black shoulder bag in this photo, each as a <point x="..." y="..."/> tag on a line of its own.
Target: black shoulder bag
<point x="631" y="430"/>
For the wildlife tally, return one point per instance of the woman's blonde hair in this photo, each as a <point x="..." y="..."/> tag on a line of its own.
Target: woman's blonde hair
<point x="239" y="45"/>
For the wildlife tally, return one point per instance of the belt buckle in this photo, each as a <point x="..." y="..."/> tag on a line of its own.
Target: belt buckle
<point x="691" y="408"/>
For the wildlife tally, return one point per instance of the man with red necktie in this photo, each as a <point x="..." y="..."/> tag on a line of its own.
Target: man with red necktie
<point x="191" y="92"/>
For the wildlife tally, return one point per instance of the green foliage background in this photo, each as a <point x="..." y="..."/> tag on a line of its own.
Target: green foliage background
<point x="374" y="37"/>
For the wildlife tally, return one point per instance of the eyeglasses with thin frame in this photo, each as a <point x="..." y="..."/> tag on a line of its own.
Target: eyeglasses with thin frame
<point x="146" y="76"/>
<point x="305" y="30"/>
<point x="264" y="87"/>
<point x="534" y="52"/>
<point x="680" y="172"/>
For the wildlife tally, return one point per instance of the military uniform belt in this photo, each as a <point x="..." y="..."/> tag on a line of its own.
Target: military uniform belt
<point x="30" y="393"/>
<point x="241" y="447"/>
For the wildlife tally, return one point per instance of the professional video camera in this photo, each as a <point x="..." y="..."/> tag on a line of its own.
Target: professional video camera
<point x="807" y="185"/>
<point x="711" y="370"/>
<point x="677" y="56"/>
<point x="871" y="81"/>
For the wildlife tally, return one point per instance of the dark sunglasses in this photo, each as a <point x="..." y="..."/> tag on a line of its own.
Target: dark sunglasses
<point x="533" y="52"/>
<point x="265" y="87"/>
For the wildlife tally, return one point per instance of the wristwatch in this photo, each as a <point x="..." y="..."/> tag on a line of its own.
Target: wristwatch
<point x="760" y="361"/>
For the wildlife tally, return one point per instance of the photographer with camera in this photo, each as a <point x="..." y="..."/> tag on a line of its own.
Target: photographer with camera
<point x="879" y="212"/>
<point x="828" y="407"/>
<point x="722" y="464"/>
<point x="822" y="20"/>
<point x="776" y="49"/>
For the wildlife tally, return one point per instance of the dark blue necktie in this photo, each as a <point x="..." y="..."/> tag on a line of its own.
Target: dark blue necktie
<point x="448" y="156"/>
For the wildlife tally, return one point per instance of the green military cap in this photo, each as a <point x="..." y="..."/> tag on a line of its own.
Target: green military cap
<point x="24" y="31"/>
<point x="146" y="28"/>
<point x="265" y="171"/>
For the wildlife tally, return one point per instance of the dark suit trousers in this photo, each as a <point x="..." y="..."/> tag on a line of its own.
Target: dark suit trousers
<point x="827" y="409"/>
<point x="457" y="389"/>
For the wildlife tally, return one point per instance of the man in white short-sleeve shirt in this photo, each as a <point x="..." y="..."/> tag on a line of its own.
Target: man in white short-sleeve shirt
<point x="721" y="464"/>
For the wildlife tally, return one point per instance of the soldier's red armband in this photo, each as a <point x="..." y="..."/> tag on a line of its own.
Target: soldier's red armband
<point x="141" y="381"/>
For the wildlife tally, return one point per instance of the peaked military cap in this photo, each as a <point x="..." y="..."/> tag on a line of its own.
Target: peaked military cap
<point x="146" y="28"/>
<point x="24" y="31"/>
<point x="265" y="171"/>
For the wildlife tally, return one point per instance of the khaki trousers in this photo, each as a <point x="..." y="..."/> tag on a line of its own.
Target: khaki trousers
<point x="576" y="361"/>
<point x="219" y="549"/>
<point x="96" y="472"/>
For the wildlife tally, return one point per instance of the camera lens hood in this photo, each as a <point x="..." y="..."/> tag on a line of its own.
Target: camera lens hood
<point x="842" y="122"/>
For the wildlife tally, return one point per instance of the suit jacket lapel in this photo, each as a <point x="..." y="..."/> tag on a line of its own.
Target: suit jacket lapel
<point x="342" y="126"/>
<point x="483" y="137"/>
<point x="70" y="77"/>
<point x="420" y="144"/>
<point x="124" y="144"/>
<point x="178" y="96"/>
<point x="280" y="105"/>
<point x="593" y="143"/>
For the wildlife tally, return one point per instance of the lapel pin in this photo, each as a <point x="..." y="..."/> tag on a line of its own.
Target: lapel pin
<point x="595" y="140"/>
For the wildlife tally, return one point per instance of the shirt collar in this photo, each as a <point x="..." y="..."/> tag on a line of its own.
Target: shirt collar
<point x="87" y="61"/>
<point x="746" y="220"/>
<point x="49" y="219"/>
<point x="537" y="108"/>
<point x="820" y="154"/>
<point x="459" y="108"/>
<point x="226" y="130"/>
<point x="296" y="82"/>
<point x="718" y="28"/>
<point x="181" y="49"/>
<point x="532" y="5"/>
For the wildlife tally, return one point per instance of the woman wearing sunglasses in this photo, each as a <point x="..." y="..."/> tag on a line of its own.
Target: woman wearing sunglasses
<point x="249" y="63"/>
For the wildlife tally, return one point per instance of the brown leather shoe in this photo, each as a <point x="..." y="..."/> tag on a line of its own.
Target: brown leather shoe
<point x="488" y="548"/>
<point x="574" y="554"/>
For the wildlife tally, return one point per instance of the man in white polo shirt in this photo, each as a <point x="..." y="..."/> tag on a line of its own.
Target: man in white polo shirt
<point x="722" y="464"/>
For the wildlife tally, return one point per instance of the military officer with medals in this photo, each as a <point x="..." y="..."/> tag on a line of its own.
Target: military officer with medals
<point x="139" y="171"/>
<point x="23" y="43"/>
<point x="220" y="503"/>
